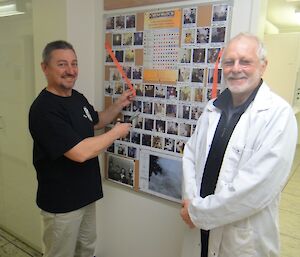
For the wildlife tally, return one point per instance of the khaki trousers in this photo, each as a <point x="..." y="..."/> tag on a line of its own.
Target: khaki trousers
<point x="71" y="234"/>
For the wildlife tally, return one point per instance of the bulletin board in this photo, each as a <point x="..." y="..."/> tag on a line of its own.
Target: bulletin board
<point x="169" y="55"/>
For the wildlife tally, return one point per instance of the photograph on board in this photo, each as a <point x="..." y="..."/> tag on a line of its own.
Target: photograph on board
<point x="120" y="169"/>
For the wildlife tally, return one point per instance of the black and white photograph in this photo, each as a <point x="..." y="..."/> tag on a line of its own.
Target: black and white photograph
<point x="146" y="140"/>
<point x="120" y="22"/>
<point x="171" y="92"/>
<point x="196" y="112"/>
<point x="185" y="55"/>
<point x="157" y="142"/>
<point x="171" y="110"/>
<point x="160" y="126"/>
<point x="184" y="111"/>
<point x="203" y="35"/>
<point x="184" y="74"/>
<point x="120" y="169"/>
<point x="132" y="152"/>
<point x="220" y="12"/>
<point x="109" y="89"/>
<point x="169" y="144"/>
<point x="199" y="55"/>
<point x="172" y="127"/>
<point x="138" y="38"/>
<point x="117" y="39"/>
<point x="138" y="123"/>
<point x="165" y="176"/>
<point x="160" y="91"/>
<point x="121" y="149"/>
<point x="130" y="21"/>
<point x="149" y="90"/>
<point x="149" y="124"/>
<point x="189" y="16"/>
<point x="212" y="54"/>
<point x="137" y="106"/>
<point x="147" y="107"/>
<point x="160" y="109"/>
<point x="184" y="129"/>
<point x="197" y="75"/>
<point x="218" y="34"/>
<point x="135" y="138"/>
<point x="137" y="73"/>
<point x="110" y="23"/>
<point x="180" y="146"/>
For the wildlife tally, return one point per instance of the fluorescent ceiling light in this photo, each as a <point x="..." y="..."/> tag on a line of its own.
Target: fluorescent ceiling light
<point x="9" y="8"/>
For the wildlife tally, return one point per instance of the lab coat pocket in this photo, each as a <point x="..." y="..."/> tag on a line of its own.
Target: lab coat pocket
<point x="234" y="155"/>
<point x="231" y="162"/>
<point x="238" y="155"/>
<point x="245" y="157"/>
<point x="238" y="241"/>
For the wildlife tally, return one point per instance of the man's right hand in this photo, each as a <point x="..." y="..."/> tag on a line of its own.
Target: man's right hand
<point x="121" y="129"/>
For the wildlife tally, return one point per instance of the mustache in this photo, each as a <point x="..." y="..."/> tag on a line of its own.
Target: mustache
<point x="236" y="76"/>
<point x="67" y="75"/>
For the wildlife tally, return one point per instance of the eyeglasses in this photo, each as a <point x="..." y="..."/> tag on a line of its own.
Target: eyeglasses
<point x="244" y="63"/>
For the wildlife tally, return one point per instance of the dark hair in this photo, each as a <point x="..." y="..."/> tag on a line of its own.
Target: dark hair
<point x="50" y="47"/>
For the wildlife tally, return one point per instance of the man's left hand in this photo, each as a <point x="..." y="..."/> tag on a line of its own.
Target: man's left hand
<point x="126" y="98"/>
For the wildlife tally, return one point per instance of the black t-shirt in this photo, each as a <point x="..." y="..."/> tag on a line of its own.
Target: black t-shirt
<point x="57" y="124"/>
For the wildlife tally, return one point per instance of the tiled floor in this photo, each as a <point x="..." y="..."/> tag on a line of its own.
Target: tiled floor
<point x="289" y="222"/>
<point x="290" y="212"/>
<point x="12" y="247"/>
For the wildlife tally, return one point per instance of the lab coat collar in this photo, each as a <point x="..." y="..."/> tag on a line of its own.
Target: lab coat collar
<point x="262" y="100"/>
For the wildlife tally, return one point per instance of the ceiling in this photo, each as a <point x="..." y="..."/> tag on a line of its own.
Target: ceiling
<point x="281" y="13"/>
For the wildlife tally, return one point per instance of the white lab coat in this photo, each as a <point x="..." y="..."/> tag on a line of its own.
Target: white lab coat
<point x="242" y="215"/>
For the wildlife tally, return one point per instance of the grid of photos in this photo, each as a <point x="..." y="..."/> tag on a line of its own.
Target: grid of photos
<point x="164" y="116"/>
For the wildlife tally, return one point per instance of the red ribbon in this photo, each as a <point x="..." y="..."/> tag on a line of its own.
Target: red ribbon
<point x="215" y="76"/>
<point x="119" y="67"/>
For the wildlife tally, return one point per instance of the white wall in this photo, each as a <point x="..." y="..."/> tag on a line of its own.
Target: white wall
<point x="49" y="24"/>
<point x="130" y="224"/>
<point x="283" y="51"/>
<point x="18" y="212"/>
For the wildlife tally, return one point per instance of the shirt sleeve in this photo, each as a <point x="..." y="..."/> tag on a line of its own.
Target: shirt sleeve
<point x="53" y="133"/>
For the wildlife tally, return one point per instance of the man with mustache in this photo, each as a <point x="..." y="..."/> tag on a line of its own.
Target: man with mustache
<point x="65" y="154"/>
<point x="238" y="160"/>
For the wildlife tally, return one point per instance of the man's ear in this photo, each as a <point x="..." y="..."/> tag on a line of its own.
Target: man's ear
<point x="264" y="66"/>
<point x="44" y="67"/>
